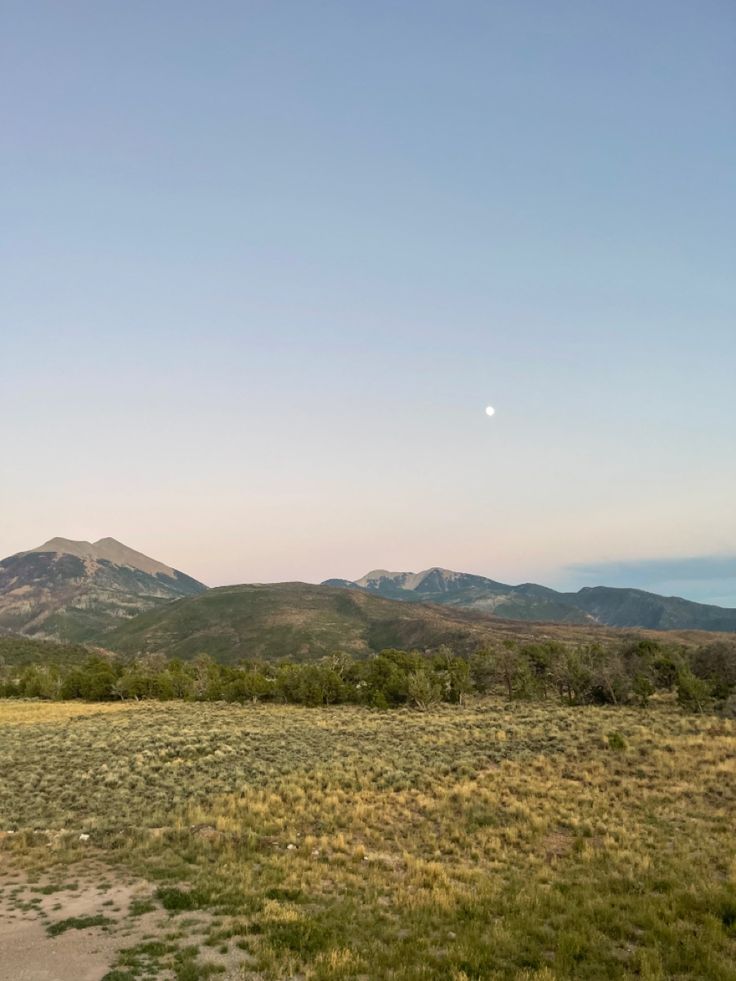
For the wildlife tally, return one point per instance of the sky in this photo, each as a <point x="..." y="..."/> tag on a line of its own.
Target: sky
<point x="264" y="264"/>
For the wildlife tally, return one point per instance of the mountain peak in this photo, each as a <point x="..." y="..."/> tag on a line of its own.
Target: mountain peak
<point x="433" y="579"/>
<point x="614" y="607"/>
<point x="73" y="590"/>
<point x="400" y="580"/>
<point x="67" y="546"/>
<point x="107" y="550"/>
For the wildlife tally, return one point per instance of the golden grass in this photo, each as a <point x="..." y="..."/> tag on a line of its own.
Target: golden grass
<point x="34" y="713"/>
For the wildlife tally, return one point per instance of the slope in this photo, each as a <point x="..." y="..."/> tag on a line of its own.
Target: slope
<point x="531" y="602"/>
<point x="298" y="621"/>
<point x="75" y="591"/>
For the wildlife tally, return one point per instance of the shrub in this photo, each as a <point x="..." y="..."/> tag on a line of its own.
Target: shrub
<point x="693" y="694"/>
<point x="616" y="740"/>
<point x="176" y="900"/>
<point x="423" y="689"/>
<point x="304" y="937"/>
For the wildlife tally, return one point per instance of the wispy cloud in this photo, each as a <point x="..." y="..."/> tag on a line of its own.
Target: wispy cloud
<point x="704" y="578"/>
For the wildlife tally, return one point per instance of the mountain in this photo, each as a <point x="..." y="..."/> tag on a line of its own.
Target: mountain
<point x="288" y="620"/>
<point x="113" y="596"/>
<point x="299" y="621"/>
<point x="634" y="607"/>
<point x="461" y="589"/>
<point x="76" y="591"/>
<point x="600" y="604"/>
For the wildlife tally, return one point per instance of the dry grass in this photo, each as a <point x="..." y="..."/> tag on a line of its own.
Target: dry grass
<point x="36" y="713"/>
<point x="487" y="841"/>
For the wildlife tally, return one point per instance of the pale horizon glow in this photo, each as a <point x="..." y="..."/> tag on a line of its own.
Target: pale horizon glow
<point x="262" y="269"/>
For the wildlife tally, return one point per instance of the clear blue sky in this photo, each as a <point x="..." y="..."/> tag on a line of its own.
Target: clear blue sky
<point x="264" y="264"/>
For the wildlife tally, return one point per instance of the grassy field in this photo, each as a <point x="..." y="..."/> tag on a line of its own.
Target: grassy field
<point x="491" y="840"/>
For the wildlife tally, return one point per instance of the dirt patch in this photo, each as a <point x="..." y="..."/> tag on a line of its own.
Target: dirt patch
<point x="68" y="926"/>
<point x="558" y="844"/>
<point x="27" y="953"/>
<point x="74" y="923"/>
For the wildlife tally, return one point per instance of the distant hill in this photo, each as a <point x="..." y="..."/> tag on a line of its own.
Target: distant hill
<point x="298" y="621"/>
<point x="75" y="591"/>
<point x="16" y="651"/>
<point x="633" y="607"/>
<point x="289" y="620"/>
<point x="601" y="604"/>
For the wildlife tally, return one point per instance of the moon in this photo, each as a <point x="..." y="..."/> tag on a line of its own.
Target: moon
<point x="490" y="411"/>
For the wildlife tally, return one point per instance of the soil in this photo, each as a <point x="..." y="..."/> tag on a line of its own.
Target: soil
<point x="29" y="906"/>
<point x="32" y="906"/>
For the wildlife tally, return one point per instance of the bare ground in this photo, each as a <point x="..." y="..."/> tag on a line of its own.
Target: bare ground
<point x="31" y="906"/>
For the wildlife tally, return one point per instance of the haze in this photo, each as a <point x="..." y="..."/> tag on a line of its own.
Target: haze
<point x="266" y="264"/>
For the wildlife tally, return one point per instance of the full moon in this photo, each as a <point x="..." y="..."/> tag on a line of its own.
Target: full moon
<point x="490" y="410"/>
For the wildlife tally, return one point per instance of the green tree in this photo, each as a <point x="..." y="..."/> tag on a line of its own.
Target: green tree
<point x="573" y="676"/>
<point x="482" y="667"/>
<point x="643" y="688"/>
<point x="424" y="689"/>
<point x="716" y="663"/>
<point x="693" y="693"/>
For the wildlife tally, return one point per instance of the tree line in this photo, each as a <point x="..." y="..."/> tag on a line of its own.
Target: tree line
<point x="703" y="679"/>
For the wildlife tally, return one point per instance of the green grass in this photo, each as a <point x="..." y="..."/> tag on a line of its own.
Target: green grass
<point x="77" y="923"/>
<point x="176" y="900"/>
<point x="139" y="907"/>
<point x="491" y="840"/>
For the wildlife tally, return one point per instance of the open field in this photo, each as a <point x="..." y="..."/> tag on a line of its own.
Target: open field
<point x="493" y="840"/>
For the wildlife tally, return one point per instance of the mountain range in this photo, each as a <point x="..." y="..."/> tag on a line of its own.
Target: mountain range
<point x="107" y="594"/>
<point x="613" y="607"/>
<point x="300" y="622"/>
